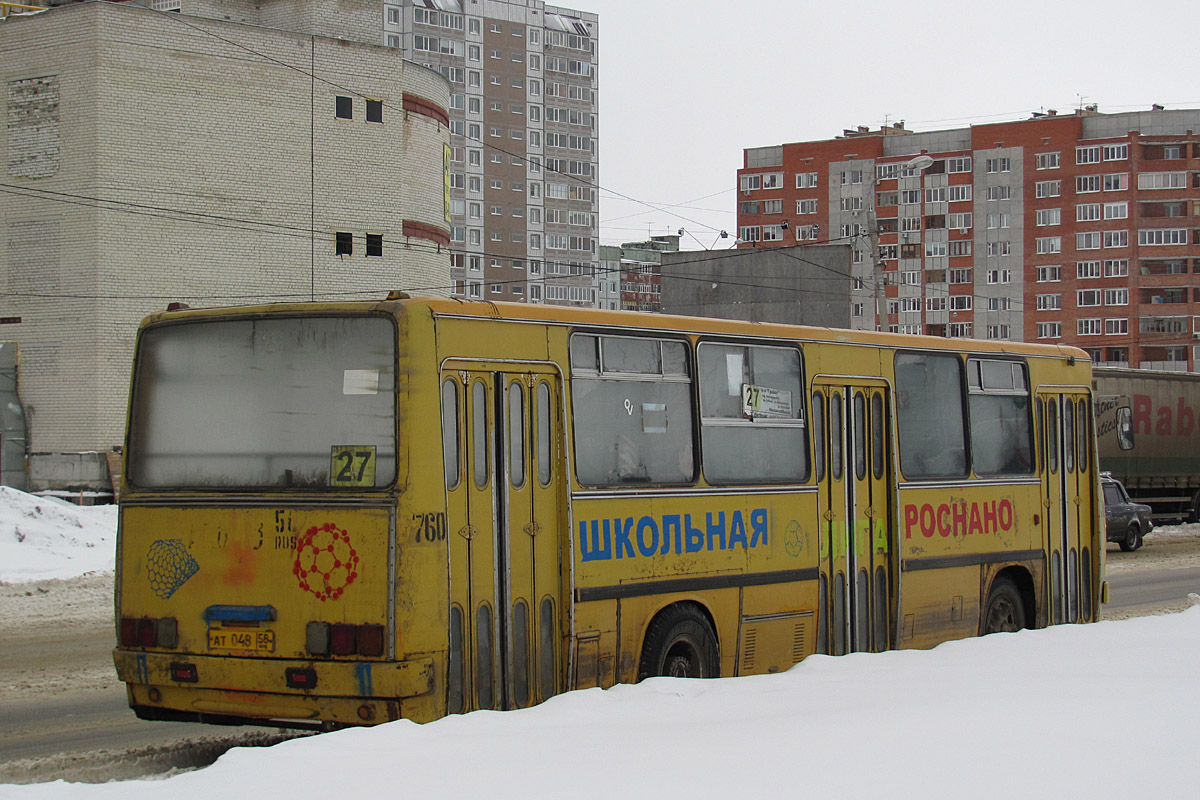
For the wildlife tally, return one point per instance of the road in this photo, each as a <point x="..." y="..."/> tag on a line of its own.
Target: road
<point x="1135" y="589"/>
<point x="63" y="713"/>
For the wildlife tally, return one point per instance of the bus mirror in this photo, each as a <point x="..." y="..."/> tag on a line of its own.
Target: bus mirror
<point x="1125" y="427"/>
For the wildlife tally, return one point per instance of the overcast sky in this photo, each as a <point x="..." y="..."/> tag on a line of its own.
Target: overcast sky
<point x="685" y="86"/>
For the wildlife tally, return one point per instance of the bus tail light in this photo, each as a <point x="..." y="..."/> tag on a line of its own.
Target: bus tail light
<point x="343" y="639"/>
<point x="369" y="640"/>
<point x="149" y="632"/>
<point x="182" y="672"/>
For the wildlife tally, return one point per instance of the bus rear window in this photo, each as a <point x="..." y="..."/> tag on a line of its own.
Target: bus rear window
<point x="288" y="403"/>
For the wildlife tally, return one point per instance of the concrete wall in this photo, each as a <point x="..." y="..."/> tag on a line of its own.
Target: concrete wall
<point x="198" y="162"/>
<point x="801" y="285"/>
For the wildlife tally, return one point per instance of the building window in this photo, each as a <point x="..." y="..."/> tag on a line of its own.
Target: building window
<point x="1162" y="236"/>
<point x="1049" y="330"/>
<point x="1087" y="269"/>
<point x="999" y="276"/>
<point x="1116" y="181"/>
<point x="374" y="244"/>
<point x="1162" y="180"/>
<point x="999" y="248"/>
<point x="960" y="193"/>
<point x="1087" y="183"/>
<point x="375" y="110"/>
<point x="1087" y="155"/>
<point x="1089" y="327"/>
<point x="994" y="165"/>
<point x="958" y="164"/>
<point x="1049" y="302"/>
<point x="998" y="193"/>
<point x="343" y="107"/>
<point x="1047" y="160"/>
<point x="1116" y="210"/>
<point x="343" y="243"/>
<point x="1048" y="274"/>
<point x="1116" y="297"/>
<point x="1116" y="239"/>
<point x="1047" y="189"/>
<point x="1087" y="212"/>
<point x="1048" y="216"/>
<point x="1086" y="298"/>
<point x="1089" y="240"/>
<point x="1116" y="327"/>
<point x="806" y="180"/>
<point x="806" y="206"/>
<point x="1116" y="268"/>
<point x="1116" y="152"/>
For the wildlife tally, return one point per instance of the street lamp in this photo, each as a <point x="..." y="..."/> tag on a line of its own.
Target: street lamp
<point x="916" y="166"/>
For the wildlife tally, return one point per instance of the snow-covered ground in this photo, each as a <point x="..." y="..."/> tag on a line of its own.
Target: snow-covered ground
<point x="43" y="538"/>
<point x="1098" y="711"/>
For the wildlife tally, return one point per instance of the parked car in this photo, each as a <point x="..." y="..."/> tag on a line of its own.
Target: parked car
<point x="1125" y="522"/>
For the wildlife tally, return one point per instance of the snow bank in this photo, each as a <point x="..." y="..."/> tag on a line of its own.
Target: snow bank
<point x="1033" y="714"/>
<point x="43" y="538"/>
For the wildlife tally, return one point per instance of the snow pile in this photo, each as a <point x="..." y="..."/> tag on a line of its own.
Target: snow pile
<point x="43" y="538"/>
<point x="1032" y="714"/>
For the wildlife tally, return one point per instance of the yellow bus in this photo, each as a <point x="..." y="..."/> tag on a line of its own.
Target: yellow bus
<point x="349" y="513"/>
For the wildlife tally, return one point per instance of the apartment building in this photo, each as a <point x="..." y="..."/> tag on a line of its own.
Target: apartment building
<point x="1080" y="228"/>
<point x="156" y="157"/>
<point x="523" y="109"/>
<point x="631" y="275"/>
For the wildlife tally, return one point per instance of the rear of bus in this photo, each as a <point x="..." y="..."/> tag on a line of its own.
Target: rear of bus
<point x="257" y="554"/>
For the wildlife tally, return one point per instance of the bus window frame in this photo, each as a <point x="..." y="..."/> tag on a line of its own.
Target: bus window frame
<point x="191" y="319"/>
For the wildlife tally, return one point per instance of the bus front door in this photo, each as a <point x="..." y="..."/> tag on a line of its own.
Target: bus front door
<point x="1064" y="433"/>
<point x="853" y="472"/>
<point x="504" y="507"/>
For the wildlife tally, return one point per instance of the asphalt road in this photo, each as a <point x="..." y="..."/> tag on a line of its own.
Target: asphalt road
<point x="1141" y="588"/>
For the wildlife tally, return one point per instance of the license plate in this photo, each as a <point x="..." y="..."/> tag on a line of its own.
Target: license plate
<point x="227" y="639"/>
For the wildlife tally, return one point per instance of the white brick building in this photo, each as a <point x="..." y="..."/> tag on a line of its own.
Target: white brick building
<point x="152" y="157"/>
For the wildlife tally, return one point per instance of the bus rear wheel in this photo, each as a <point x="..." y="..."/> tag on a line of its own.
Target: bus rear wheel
<point x="680" y="643"/>
<point x="1004" y="611"/>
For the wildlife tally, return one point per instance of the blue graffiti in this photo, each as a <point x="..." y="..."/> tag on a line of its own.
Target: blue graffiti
<point x="617" y="537"/>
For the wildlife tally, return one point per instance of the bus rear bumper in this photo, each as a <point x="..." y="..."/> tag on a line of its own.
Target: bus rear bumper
<point x="276" y="692"/>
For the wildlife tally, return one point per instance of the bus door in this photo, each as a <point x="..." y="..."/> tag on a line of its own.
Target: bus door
<point x="501" y="431"/>
<point x="853" y="472"/>
<point x="1064" y="433"/>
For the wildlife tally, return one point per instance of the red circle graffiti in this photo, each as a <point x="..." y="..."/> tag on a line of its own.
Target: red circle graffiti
<point x="326" y="563"/>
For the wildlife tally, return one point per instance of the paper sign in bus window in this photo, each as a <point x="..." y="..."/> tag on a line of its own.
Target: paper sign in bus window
<point x="352" y="465"/>
<point x="765" y="402"/>
<point x="654" y="417"/>
<point x="360" y="381"/>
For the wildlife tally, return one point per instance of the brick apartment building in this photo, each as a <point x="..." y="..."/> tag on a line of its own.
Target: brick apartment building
<point x="523" y="122"/>
<point x="1079" y="228"/>
<point x="152" y="157"/>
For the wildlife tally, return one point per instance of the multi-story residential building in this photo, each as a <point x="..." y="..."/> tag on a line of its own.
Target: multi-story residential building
<point x="523" y="147"/>
<point x="154" y="157"/>
<point x="1079" y="228"/>
<point x="631" y="275"/>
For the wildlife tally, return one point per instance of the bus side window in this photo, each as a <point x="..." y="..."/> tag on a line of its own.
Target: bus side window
<point x="632" y="410"/>
<point x="752" y="414"/>
<point x="1085" y="433"/>
<point x="479" y="433"/>
<point x="543" y="452"/>
<point x="450" y="432"/>
<point x="1001" y="436"/>
<point x="929" y="415"/>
